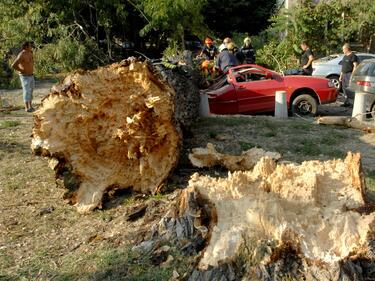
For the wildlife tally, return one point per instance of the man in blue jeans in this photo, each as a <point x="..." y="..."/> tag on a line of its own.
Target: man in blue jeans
<point x="24" y="64"/>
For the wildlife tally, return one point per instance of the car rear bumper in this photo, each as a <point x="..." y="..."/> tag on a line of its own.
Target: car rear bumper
<point x="365" y="89"/>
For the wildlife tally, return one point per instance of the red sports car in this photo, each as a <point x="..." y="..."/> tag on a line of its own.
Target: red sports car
<point x="251" y="89"/>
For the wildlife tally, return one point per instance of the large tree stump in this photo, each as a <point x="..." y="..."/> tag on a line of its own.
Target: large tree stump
<point x="114" y="127"/>
<point x="285" y="221"/>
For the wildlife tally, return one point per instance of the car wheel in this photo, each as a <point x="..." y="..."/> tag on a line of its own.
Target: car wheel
<point x="336" y="81"/>
<point x="305" y="105"/>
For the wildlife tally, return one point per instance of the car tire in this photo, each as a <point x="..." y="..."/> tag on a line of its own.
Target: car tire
<point x="335" y="79"/>
<point x="304" y="105"/>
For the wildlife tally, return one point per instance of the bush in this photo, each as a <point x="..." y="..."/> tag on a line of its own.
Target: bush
<point x="65" y="55"/>
<point x="278" y="56"/>
<point x="8" y="79"/>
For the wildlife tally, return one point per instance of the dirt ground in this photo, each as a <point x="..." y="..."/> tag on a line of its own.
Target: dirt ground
<point x="43" y="238"/>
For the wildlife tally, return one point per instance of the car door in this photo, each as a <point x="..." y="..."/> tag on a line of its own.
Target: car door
<point x="257" y="92"/>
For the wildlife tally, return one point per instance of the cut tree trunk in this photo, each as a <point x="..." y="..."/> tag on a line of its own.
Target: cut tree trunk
<point x="115" y="127"/>
<point x="368" y="127"/>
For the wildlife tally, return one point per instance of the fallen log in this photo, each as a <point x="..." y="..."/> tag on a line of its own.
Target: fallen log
<point x="349" y="122"/>
<point x="210" y="157"/>
<point x="115" y="127"/>
<point x="302" y="222"/>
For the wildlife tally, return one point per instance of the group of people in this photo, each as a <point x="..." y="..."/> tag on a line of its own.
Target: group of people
<point x="221" y="59"/>
<point x="226" y="56"/>
<point x="349" y="62"/>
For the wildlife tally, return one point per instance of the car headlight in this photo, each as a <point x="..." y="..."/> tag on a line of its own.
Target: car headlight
<point x="331" y="84"/>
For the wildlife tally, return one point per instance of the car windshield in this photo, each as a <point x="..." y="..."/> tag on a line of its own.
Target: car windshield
<point x="366" y="69"/>
<point x="249" y="74"/>
<point x="328" y="58"/>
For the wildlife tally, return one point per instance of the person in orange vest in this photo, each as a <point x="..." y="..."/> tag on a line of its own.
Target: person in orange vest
<point x="209" y="53"/>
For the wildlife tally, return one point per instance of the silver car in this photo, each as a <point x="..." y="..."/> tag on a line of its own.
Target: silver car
<point x="330" y="66"/>
<point x="363" y="80"/>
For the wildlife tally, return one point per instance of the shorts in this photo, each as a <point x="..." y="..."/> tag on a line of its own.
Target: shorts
<point x="28" y="84"/>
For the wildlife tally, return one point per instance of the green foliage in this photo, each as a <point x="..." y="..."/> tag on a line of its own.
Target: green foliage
<point x="241" y="16"/>
<point x="173" y="18"/>
<point x="74" y="34"/>
<point x="278" y="56"/>
<point x="9" y="123"/>
<point x="325" y="26"/>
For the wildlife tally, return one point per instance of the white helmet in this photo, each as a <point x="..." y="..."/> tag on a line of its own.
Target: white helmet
<point x="247" y="40"/>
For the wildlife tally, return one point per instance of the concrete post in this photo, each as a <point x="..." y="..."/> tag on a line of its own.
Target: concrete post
<point x="281" y="109"/>
<point x="204" y="108"/>
<point x="359" y="107"/>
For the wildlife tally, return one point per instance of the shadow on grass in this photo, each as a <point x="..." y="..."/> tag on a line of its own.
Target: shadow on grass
<point x="12" y="146"/>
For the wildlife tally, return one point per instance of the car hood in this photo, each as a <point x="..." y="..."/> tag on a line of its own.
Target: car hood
<point x="304" y="78"/>
<point x="300" y="81"/>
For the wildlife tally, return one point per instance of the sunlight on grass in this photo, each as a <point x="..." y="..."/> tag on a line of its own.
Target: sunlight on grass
<point x="9" y="124"/>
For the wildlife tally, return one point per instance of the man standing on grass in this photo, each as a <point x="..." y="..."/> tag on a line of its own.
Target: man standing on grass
<point x="24" y="64"/>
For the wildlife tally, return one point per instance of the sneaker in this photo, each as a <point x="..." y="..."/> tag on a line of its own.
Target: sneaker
<point x="30" y="110"/>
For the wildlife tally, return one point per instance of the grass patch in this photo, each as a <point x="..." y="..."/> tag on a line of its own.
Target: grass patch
<point x="9" y="124"/>
<point x="335" y="153"/>
<point x="301" y="126"/>
<point x="225" y="121"/>
<point x="270" y="134"/>
<point x="309" y="148"/>
<point x="370" y="184"/>
<point x="19" y="113"/>
<point x="246" y="145"/>
<point x="106" y="263"/>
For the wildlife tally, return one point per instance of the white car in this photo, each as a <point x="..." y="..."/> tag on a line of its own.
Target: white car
<point x="330" y="66"/>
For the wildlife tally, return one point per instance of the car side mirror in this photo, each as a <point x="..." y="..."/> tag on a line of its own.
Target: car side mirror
<point x="268" y="75"/>
<point x="229" y="79"/>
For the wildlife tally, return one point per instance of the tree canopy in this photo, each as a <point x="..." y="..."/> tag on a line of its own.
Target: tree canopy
<point x="243" y="16"/>
<point x="326" y="26"/>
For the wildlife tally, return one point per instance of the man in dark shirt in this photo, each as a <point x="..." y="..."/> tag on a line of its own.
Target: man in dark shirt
<point x="349" y="63"/>
<point x="306" y="59"/>
<point x="227" y="59"/>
